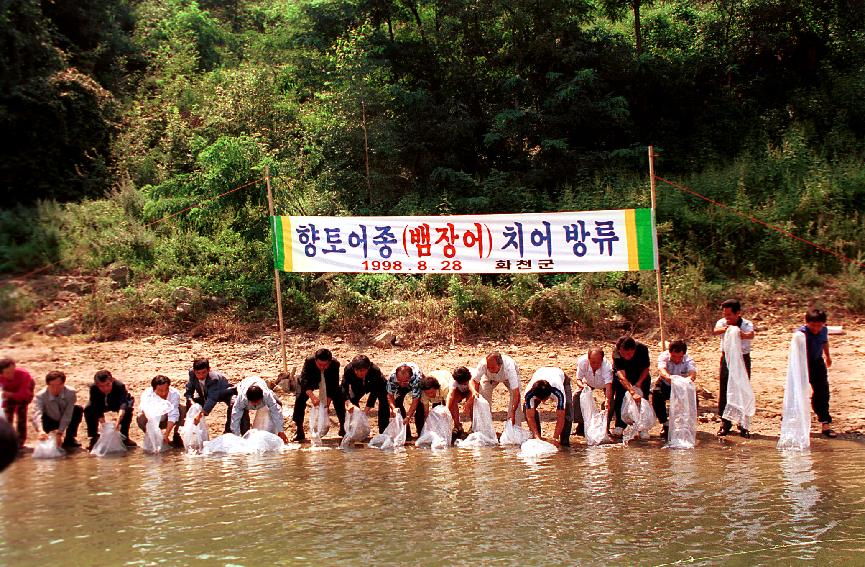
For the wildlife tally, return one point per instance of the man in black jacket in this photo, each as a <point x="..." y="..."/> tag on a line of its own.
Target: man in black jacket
<point x="208" y="388"/>
<point x="359" y="378"/>
<point x="108" y="394"/>
<point x="321" y="365"/>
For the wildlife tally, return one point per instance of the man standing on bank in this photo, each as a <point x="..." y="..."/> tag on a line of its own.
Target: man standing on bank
<point x="207" y="388"/>
<point x="631" y="367"/>
<point x="361" y="377"/>
<point x="320" y="366"/>
<point x="108" y="395"/>
<point x="731" y="310"/>
<point x="497" y="368"/>
<point x="55" y="411"/>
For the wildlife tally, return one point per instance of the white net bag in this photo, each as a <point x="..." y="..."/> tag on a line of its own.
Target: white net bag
<point x="259" y="441"/>
<point x="48" y="449"/>
<point x="682" y="427"/>
<point x="536" y="448"/>
<point x="357" y="428"/>
<point x="639" y="416"/>
<point x="740" y="395"/>
<point x="319" y="422"/>
<point x="437" y="429"/>
<point x="110" y="441"/>
<point x="393" y="436"/>
<point x="594" y="420"/>
<point x="796" y="421"/>
<point x="194" y="436"/>
<point x="514" y="434"/>
<point x="483" y="434"/>
<point x="153" y="407"/>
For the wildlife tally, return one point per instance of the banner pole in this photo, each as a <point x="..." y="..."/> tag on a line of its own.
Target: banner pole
<point x="655" y="231"/>
<point x="276" y="276"/>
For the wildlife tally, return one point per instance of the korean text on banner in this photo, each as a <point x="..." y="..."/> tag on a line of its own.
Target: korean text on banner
<point x="589" y="241"/>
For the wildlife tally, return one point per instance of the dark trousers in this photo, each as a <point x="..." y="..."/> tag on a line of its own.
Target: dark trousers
<point x="579" y="420"/>
<point x="619" y="392"/>
<point x="660" y="396"/>
<point x="419" y="414"/>
<point x="725" y="376"/>
<point x="227" y="398"/>
<point x="18" y="411"/>
<point x="336" y="396"/>
<point x="92" y="417"/>
<point x="819" y="378"/>
<point x="383" y="411"/>
<point x="49" y="425"/>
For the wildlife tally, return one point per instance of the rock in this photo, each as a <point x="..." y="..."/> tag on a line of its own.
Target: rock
<point x="553" y="355"/>
<point x="706" y="418"/>
<point x="183" y="295"/>
<point x="338" y="340"/>
<point x="62" y="327"/>
<point x="214" y="302"/>
<point x="66" y="296"/>
<point x="706" y="394"/>
<point x="119" y="275"/>
<point x="420" y="351"/>
<point x="184" y="308"/>
<point x="384" y="340"/>
<point x="77" y="285"/>
<point x="157" y="303"/>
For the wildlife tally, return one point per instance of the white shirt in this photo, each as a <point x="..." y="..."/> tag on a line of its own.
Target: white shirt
<point x="597" y="379"/>
<point x="269" y="401"/>
<point x="173" y="399"/>
<point x="556" y="378"/>
<point x="508" y="374"/>
<point x="746" y="327"/>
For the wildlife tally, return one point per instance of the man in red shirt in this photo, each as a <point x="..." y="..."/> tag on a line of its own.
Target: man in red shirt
<point x="18" y="387"/>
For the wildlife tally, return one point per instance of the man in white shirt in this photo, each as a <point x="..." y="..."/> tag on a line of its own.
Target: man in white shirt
<point x="674" y="361"/>
<point x="253" y="395"/>
<point x="549" y="382"/>
<point x="732" y="316"/>
<point x="594" y="371"/>
<point x="497" y="368"/>
<point x="161" y="387"/>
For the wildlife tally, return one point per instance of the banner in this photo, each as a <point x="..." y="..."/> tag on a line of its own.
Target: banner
<point x="589" y="241"/>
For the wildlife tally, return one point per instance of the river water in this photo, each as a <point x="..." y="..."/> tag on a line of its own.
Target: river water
<point x="723" y="503"/>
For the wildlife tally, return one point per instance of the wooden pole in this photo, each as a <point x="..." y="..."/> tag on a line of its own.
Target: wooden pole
<point x="655" y="231"/>
<point x="276" y="276"/>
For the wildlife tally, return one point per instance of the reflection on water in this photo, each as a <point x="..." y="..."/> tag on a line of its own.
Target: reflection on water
<point x="638" y="505"/>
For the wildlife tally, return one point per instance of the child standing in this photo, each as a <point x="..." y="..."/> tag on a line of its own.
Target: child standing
<point x="817" y="346"/>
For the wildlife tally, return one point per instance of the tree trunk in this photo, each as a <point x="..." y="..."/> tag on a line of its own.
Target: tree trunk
<point x="638" y="34"/>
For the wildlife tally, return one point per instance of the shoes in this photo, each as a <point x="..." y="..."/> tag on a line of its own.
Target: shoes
<point x="581" y="431"/>
<point x="71" y="444"/>
<point x="93" y="441"/>
<point x="723" y="431"/>
<point x="342" y="432"/>
<point x="744" y="433"/>
<point x="299" y="437"/>
<point x="665" y="431"/>
<point x="130" y="443"/>
<point x="829" y="433"/>
<point x="644" y="435"/>
<point x="617" y="432"/>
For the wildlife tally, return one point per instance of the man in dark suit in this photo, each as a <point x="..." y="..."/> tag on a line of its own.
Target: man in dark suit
<point x="108" y="395"/>
<point x="208" y="388"/>
<point x="320" y="366"/>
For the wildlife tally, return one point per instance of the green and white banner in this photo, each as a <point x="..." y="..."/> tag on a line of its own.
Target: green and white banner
<point x="587" y="241"/>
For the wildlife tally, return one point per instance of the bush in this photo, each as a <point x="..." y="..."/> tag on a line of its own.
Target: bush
<point x="480" y="309"/>
<point x="853" y="289"/>
<point x="15" y="302"/>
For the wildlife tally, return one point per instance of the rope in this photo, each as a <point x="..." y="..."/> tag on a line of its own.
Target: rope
<point x="196" y="205"/>
<point x="761" y="222"/>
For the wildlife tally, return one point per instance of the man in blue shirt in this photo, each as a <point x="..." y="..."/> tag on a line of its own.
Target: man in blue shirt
<point x="817" y="347"/>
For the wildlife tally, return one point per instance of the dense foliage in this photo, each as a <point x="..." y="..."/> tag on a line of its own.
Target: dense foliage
<point x="124" y="120"/>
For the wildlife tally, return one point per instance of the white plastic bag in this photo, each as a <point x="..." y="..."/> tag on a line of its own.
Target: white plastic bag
<point x="393" y="436"/>
<point x="594" y="420"/>
<point x="228" y="443"/>
<point x="483" y="434"/>
<point x="536" y="448"/>
<point x="110" y="441"/>
<point x="741" y="405"/>
<point x="514" y="435"/>
<point x="260" y="441"/>
<point x="48" y="449"/>
<point x="194" y="436"/>
<point x="639" y="417"/>
<point x="319" y="422"/>
<point x="437" y="429"/>
<point x="796" y="421"/>
<point x="682" y="427"/>
<point x="357" y="428"/>
<point x="153" y="407"/>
